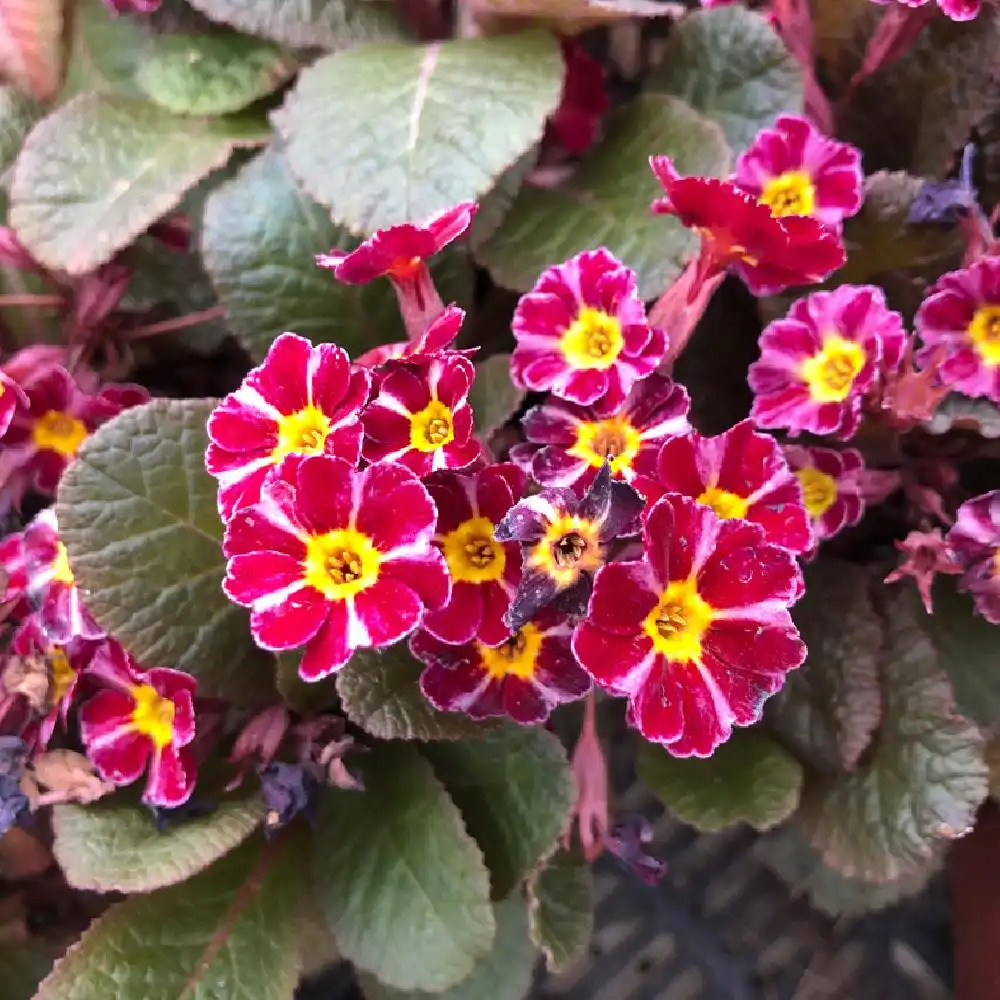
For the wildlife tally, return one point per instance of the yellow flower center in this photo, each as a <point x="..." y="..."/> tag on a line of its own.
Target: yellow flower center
<point x="516" y="657"/>
<point x="724" y="503"/>
<point x="615" y="439"/>
<point x="61" y="573"/>
<point x="984" y="332"/>
<point x="819" y="490"/>
<point x="570" y="546"/>
<point x="593" y="340"/>
<point x="341" y="563"/>
<point x="792" y="193"/>
<point x="302" y="433"/>
<point x="61" y="674"/>
<point x="679" y="621"/>
<point x="831" y="373"/>
<point x="153" y="715"/>
<point x="472" y="554"/>
<point x="431" y="428"/>
<point x="59" y="432"/>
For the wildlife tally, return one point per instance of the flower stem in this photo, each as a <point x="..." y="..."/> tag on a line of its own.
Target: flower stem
<point x="27" y="300"/>
<point x="177" y="323"/>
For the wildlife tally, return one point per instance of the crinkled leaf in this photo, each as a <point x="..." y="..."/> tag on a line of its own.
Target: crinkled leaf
<point x="415" y="129"/>
<point x="231" y="931"/>
<point x="299" y="695"/>
<point x="380" y="692"/>
<point x="830" y="707"/>
<point x="748" y="779"/>
<point x="606" y="202"/>
<point x="962" y="413"/>
<point x="515" y="791"/>
<point x="574" y="15"/>
<point x="100" y="170"/>
<point x="403" y="886"/>
<point x="31" y="49"/>
<point x="494" y="397"/>
<point x="497" y="202"/>
<point x="729" y="64"/>
<point x="18" y="112"/>
<point x="504" y="974"/>
<point x="22" y="968"/>
<point x="212" y="74"/>
<point x="116" y="847"/>
<point x="325" y="24"/>
<point x="922" y="781"/>
<point x="105" y="52"/>
<point x="138" y="514"/>
<point x="561" y="909"/>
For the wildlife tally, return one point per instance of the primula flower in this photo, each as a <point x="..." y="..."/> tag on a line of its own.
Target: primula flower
<point x="51" y="586"/>
<point x="959" y="324"/>
<point x="400" y="253"/>
<point x="584" y="101"/>
<point x="582" y="333"/>
<point x="14" y="575"/>
<point x="817" y="363"/>
<point x="832" y="486"/>
<point x="140" y="718"/>
<point x="739" y="474"/>
<point x="770" y="253"/>
<point x="11" y="396"/>
<point x="524" y="678"/>
<point x="975" y="542"/>
<point x="435" y="340"/>
<point x="334" y="559"/>
<point x="421" y="416"/>
<point x="957" y="10"/>
<point x="484" y="572"/>
<point x="697" y="634"/>
<point x="302" y="400"/>
<point x="796" y="170"/>
<point x="568" y="444"/>
<point x="564" y="538"/>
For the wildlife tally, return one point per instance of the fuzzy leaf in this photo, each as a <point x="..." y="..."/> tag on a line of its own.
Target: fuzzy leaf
<point x="729" y="64"/>
<point x="515" y="791"/>
<point x="504" y="974"/>
<point x="231" y="932"/>
<point x="749" y="779"/>
<point x="212" y="74"/>
<point x="138" y="515"/>
<point x="571" y="16"/>
<point x="22" y="968"/>
<point x="830" y="707"/>
<point x="105" y="52"/>
<point x="98" y="171"/>
<point x="497" y="202"/>
<point x="380" y="692"/>
<point x="561" y="909"/>
<point x="18" y="112"/>
<point x="417" y="128"/>
<point x="31" y="51"/>
<point x="494" y="397"/>
<point x="403" y="886"/>
<point x="299" y="695"/>
<point x="923" y="780"/>
<point x="606" y="202"/>
<point x="116" y="847"/>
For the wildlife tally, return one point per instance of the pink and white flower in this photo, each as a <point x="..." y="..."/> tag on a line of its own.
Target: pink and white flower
<point x="832" y="484"/>
<point x="14" y="577"/>
<point x="435" y="340"/>
<point x="957" y="10"/>
<point x="975" y="542"/>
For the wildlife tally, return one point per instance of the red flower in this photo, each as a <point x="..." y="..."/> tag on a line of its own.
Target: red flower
<point x="832" y="486"/>
<point x="568" y="444"/>
<point x="584" y="101"/>
<point x="14" y="577"/>
<point x="334" y="559"/>
<point x="697" y="634"/>
<point x="51" y="586"/>
<point x="739" y="474"/>
<point x="768" y="252"/>
<point x="484" y="572"/>
<point x="302" y="400"/>
<point x="141" y="718"/>
<point x="796" y="170"/>
<point x="582" y="333"/>
<point x="975" y="542"/>
<point x="525" y="678"/>
<point x="957" y="10"/>
<point x="421" y="416"/>
<point x="434" y="341"/>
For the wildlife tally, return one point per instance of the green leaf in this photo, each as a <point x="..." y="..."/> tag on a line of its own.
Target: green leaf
<point x="22" y="968"/>
<point x="494" y="397"/>
<point x="748" y="779"/>
<point x="606" y="202"/>
<point x="18" y="112"/>
<point x="228" y="932"/>
<point x="105" y="52"/>
<point x="138" y="514"/>
<point x="299" y="695"/>
<point x="729" y="64"/>
<point x="325" y="24"/>
<point x="504" y="974"/>
<point x="99" y="171"/>
<point x="963" y="413"/>
<point x="380" y="692"/>
<point x="497" y="202"/>
<point x="515" y="791"/>
<point x="417" y="128"/>
<point x="923" y="779"/>
<point x="402" y="884"/>
<point x="571" y="16"/>
<point x="830" y="707"/>
<point x="561" y="909"/>
<point x="116" y="847"/>
<point x="212" y="74"/>
<point x="31" y="49"/>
